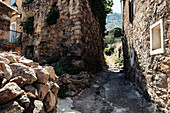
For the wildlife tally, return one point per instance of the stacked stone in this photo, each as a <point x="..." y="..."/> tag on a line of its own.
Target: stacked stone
<point x="5" y="15"/>
<point x="150" y="72"/>
<point x="75" y="83"/>
<point x="25" y="86"/>
<point x="76" y="34"/>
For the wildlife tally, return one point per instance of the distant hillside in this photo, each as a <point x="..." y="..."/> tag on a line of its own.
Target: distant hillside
<point x="113" y="20"/>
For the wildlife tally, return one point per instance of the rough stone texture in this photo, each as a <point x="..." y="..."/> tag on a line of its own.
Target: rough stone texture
<point x="42" y="91"/>
<point x="50" y="101"/>
<point x="5" y="60"/>
<point x="75" y="83"/>
<point x="42" y="75"/>
<point x="38" y="107"/>
<point x="11" y="107"/>
<point x="9" y="92"/>
<point x="150" y="72"/>
<point x="6" y="69"/>
<point x="76" y="34"/>
<point x="5" y="16"/>
<point x="28" y="73"/>
<point x="19" y="80"/>
<point x="21" y="92"/>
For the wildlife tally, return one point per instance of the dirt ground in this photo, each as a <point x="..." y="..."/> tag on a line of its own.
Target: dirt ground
<point x="109" y="93"/>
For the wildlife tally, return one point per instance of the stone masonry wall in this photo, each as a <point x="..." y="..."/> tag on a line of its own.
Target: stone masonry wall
<point x="150" y="72"/>
<point x="5" y="15"/>
<point x="76" y="33"/>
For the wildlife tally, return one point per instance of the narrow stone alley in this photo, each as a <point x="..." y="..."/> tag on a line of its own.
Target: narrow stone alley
<point x="109" y="93"/>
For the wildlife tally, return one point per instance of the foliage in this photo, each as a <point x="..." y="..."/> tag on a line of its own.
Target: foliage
<point x="28" y="25"/>
<point x="64" y="65"/>
<point x="52" y="16"/>
<point x="28" y="1"/>
<point x="100" y="9"/>
<point x="62" y="92"/>
<point x="113" y="36"/>
<point x="117" y="32"/>
<point x="109" y="51"/>
<point x="53" y="59"/>
<point x="112" y="49"/>
<point x="119" y="61"/>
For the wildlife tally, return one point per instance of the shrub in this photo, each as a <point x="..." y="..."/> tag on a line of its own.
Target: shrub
<point x="53" y="59"/>
<point x="107" y="52"/>
<point x="64" y="65"/>
<point x="119" y="61"/>
<point x="62" y="92"/>
<point x="52" y="16"/>
<point x="28" y="25"/>
<point x="112" y="49"/>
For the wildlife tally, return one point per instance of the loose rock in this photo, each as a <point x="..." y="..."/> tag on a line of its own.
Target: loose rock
<point x="9" y="92"/>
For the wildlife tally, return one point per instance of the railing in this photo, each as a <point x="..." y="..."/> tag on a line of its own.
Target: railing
<point x="15" y="37"/>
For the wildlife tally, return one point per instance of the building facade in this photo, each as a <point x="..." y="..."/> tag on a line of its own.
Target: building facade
<point x="76" y="34"/>
<point x="11" y="39"/>
<point x="146" y="46"/>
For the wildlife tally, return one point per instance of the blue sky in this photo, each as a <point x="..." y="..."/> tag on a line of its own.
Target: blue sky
<point x="116" y="7"/>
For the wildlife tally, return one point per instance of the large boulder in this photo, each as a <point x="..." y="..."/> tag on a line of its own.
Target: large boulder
<point x="9" y="92"/>
<point x="11" y="107"/>
<point x="19" y="69"/>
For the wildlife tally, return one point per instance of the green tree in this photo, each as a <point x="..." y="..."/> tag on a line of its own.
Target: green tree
<point x="117" y="32"/>
<point x="100" y="10"/>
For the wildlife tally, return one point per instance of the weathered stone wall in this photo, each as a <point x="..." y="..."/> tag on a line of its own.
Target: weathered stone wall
<point x="5" y="15"/>
<point x="76" y="33"/>
<point x="150" y="72"/>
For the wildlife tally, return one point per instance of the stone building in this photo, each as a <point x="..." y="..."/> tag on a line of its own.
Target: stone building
<point x="146" y="47"/>
<point x="11" y="13"/>
<point x="76" y="34"/>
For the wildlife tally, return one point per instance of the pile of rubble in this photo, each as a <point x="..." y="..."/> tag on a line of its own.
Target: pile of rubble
<point x="75" y="83"/>
<point x="25" y="86"/>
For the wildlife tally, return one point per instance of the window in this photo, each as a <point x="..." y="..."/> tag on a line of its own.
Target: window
<point x="156" y="38"/>
<point x="12" y="2"/>
<point x="13" y="32"/>
<point x="131" y="10"/>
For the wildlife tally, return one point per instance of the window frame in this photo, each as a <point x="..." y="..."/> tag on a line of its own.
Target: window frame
<point x="160" y="50"/>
